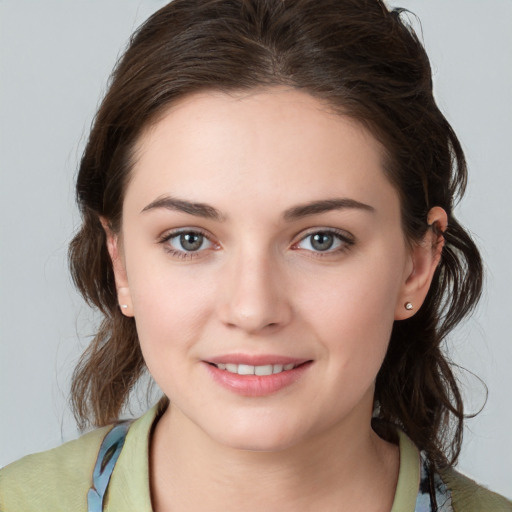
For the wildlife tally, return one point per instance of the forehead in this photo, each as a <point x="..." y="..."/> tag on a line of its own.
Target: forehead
<point x="279" y="145"/>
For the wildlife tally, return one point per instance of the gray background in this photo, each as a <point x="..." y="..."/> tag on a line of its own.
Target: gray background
<point x="54" y="62"/>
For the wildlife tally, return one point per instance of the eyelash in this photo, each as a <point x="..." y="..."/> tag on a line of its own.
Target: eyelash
<point x="347" y="241"/>
<point x="184" y="255"/>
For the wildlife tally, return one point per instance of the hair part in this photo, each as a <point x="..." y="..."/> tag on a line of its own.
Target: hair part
<point x="363" y="61"/>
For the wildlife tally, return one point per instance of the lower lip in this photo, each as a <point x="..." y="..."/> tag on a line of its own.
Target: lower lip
<point x="257" y="385"/>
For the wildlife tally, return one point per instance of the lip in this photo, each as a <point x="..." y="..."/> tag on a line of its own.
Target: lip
<point x="255" y="359"/>
<point x="256" y="385"/>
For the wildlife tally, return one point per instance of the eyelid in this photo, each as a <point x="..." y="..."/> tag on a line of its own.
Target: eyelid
<point x="170" y="234"/>
<point x="343" y="236"/>
<point x="341" y="233"/>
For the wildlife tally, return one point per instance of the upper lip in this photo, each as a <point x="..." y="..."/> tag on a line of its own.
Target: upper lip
<point x="256" y="360"/>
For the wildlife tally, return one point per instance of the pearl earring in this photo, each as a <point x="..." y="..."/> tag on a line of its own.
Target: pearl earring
<point x="408" y="306"/>
<point x="124" y="306"/>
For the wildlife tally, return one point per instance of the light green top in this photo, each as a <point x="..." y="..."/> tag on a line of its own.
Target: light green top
<point x="58" y="480"/>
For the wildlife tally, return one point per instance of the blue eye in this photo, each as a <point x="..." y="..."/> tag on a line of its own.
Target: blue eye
<point x="186" y="242"/>
<point x="325" y="241"/>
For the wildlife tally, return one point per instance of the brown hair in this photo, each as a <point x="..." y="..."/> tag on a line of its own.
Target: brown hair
<point x="365" y="62"/>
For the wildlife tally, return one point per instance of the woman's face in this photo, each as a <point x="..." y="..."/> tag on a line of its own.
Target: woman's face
<point x="261" y="234"/>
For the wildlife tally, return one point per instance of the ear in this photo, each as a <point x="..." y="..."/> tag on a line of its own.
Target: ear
<point x="425" y="256"/>
<point x="114" y="249"/>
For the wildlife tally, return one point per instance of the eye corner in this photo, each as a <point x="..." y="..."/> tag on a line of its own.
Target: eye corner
<point x="340" y="241"/>
<point x="174" y="242"/>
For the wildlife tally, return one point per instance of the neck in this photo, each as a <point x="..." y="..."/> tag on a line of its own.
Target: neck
<point x="190" y="471"/>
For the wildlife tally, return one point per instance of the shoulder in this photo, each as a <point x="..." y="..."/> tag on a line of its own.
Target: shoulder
<point x="54" y="480"/>
<point x="468" y="496"/>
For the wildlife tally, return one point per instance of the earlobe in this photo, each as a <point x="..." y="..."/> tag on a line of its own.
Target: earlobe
<point x="121" y="279"/>
<point x="125" y="301"/>
<point x="425" y="256"/>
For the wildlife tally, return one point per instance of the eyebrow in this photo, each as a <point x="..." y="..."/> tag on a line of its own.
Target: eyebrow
<point x="297" y="212"/>
<point x="325" y="205"/>
<point x="180" y="205"/>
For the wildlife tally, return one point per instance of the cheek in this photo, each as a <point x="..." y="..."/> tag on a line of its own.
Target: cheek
<point x="170" y="322"/>
<point x="359" y="298"/>
<point x="352" y="314"/>
<point x="171" y="307"/>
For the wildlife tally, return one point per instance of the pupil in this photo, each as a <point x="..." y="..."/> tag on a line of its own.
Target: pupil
<point x="322" y="241"/>
<point x="191" y="241"/>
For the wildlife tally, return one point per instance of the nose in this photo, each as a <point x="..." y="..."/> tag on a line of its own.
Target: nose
<point x="255" y="295"/>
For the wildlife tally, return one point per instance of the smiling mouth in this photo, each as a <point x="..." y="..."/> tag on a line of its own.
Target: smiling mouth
<point x="247" y="369"/>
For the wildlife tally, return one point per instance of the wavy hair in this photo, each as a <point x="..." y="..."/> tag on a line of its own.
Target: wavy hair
<point x="366" y="62"/>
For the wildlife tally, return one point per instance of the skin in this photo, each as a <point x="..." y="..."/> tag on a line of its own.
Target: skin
<point x="258" y="286"/>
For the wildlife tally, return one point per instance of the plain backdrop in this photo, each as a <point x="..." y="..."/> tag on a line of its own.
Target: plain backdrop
<point x="55" y="58"/>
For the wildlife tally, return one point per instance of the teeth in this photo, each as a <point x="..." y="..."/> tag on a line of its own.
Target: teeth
<point x="263" y="370"/>
<point x="247" y="369"/>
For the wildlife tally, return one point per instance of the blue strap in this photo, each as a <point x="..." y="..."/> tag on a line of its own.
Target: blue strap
<point x="110" y="450"/>
<point x="443" y="494"/>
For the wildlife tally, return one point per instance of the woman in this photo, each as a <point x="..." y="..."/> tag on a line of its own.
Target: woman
<point x="267" y="197"/>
